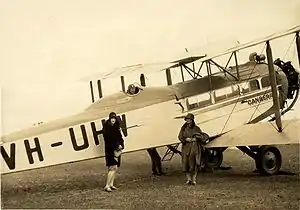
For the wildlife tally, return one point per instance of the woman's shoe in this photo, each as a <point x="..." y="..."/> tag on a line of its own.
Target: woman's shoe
<point x="107" y="189"/>
<point x="188" y="182"/>
<point x="113" y="187"/>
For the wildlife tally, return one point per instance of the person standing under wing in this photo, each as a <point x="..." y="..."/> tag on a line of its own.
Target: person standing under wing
<point x="191" y="149"/>
<point x="156" y="162"/>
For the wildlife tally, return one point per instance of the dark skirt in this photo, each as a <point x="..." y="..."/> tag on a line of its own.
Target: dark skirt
<point x="111" y="160"/>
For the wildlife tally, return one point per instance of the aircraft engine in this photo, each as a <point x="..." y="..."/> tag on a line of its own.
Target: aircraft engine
<point x="292" y="76"/>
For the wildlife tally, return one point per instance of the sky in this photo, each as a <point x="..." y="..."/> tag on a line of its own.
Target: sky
<point x="47" y="46"/>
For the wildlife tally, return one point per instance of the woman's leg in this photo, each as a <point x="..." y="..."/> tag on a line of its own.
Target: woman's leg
<point x="109" y="178"/>
<point x="115" y="168"/>
<point x="114" y="172"/>
<point x="109" y="157"/>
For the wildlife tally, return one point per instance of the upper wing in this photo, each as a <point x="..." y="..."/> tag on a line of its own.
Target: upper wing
<point x="265" y="134"/>
<point x="155" y="67"/>
<point x="143" y="68"/>
<point x="255" y="42"/>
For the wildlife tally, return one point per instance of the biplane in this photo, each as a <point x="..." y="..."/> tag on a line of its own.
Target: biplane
<point x="232" y="106"/>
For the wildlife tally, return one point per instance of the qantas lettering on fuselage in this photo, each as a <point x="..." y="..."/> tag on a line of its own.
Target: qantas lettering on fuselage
<point x="258" y="99"/>
<point x="33" y="145"/>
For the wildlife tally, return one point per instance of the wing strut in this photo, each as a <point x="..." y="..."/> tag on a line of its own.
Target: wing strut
<point x="262" y="116"/>
<point x="273" y="87"/>
<point x="123" y="84"/>
<point x="298" y="46"/>
<point x="237" y="66"/>
<point x="221" y="67"/>
<point x="92" y="91"/>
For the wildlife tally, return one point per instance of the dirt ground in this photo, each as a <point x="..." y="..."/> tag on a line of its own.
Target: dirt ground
<point x="80" y="185"/>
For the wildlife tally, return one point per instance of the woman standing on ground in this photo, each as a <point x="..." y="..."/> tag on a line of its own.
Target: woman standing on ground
<point x="114" y="144"/>
<point x="191" y="149"/>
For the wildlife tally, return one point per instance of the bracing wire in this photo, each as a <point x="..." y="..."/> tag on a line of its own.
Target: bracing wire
<point x="298" y="90"/>
<point x="267" y="89"/>
<point x="246" y="83"/>
<point x="240" y="95"/>
<point x="277" y="69"/>
<point x="238" y="88"/>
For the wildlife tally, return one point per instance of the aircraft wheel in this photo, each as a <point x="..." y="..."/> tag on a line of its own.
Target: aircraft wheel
<point x="213" y="158"/>
<point x="268" y="161"/>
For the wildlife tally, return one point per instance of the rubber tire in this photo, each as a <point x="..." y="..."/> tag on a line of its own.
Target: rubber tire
<point x="214" y="165"/>
<point x="260" y="156"/>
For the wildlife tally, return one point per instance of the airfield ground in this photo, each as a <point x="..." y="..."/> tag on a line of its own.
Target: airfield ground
<point x="80" y="185"/>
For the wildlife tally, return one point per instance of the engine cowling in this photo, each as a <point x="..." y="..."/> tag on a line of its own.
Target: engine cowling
<point x="291" y="74"/>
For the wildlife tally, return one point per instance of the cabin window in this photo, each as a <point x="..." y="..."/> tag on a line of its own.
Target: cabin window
<point x="249" y="86"/>
<point x="265" y="81"/>
<point x="225" y="93"/>
<point x="235" y="89"/>
<point x="198" y="101"/>
<point x="244" y="87"/>
<point x="254" y="85"/>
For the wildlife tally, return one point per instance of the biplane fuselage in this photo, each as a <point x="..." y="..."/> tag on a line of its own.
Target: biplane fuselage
<point x="150" y="118"/>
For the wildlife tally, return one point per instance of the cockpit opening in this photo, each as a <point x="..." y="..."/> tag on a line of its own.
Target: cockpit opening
<point x="133" y="90"/>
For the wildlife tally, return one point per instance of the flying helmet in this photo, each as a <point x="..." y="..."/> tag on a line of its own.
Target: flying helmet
<point x="112" y="115"/>
<point x="189" y="116"/>
<point x="252" y="56"/>
<point x="131" y="86"/>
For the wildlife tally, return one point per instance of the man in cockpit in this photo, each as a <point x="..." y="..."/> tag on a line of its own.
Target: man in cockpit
<point x="132" y="89"/>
